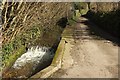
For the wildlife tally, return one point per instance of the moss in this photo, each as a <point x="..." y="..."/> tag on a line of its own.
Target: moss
<point x="83" y="12"/>
<point x="59" y="53"/>
<point x="8" y="62"/>
<point x="79" y="9"/>
<point x="12" y="50"/>
<point x="7" y="48"/>
<point x="72" y="19"/>
<point x="82" y="7"/>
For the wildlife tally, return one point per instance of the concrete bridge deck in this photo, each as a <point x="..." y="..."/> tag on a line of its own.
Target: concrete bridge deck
<point x="87" y="55"/>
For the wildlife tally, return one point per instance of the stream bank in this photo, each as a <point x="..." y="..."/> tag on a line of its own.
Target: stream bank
<point x="38" y="57"/>
<point x="42" y="27"/>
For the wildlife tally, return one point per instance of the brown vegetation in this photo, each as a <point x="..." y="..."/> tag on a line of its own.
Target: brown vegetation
<point x="27" y="24"/>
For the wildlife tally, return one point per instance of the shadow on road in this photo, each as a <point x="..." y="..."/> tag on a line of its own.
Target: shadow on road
<point x="100" y="34"/>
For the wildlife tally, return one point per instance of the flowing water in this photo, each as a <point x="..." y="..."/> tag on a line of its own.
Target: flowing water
<point x="33" y="55"/>
<point x="35" y="59"/>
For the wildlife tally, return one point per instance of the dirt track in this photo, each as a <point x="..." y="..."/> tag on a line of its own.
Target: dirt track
<point x="88" y="56"/>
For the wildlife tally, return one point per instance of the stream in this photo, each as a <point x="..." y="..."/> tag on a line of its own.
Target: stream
<point x="37" y="58"/>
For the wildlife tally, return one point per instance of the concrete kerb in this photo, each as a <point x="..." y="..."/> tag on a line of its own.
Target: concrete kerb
<point x="56" y="63"/>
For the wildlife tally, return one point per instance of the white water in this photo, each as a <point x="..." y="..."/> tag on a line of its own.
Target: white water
<point x="33" y="55"/>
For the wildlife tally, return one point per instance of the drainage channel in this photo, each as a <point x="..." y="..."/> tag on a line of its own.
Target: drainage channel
<point x="35" y="59"/>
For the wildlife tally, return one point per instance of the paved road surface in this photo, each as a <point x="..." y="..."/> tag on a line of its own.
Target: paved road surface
<point x="86" y="55"/>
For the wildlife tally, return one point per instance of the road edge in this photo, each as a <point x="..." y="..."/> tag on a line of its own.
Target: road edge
<point x="55" y="65"/>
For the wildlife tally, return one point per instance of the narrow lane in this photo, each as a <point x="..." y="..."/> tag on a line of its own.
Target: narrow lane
<point x="87" y="55"/>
